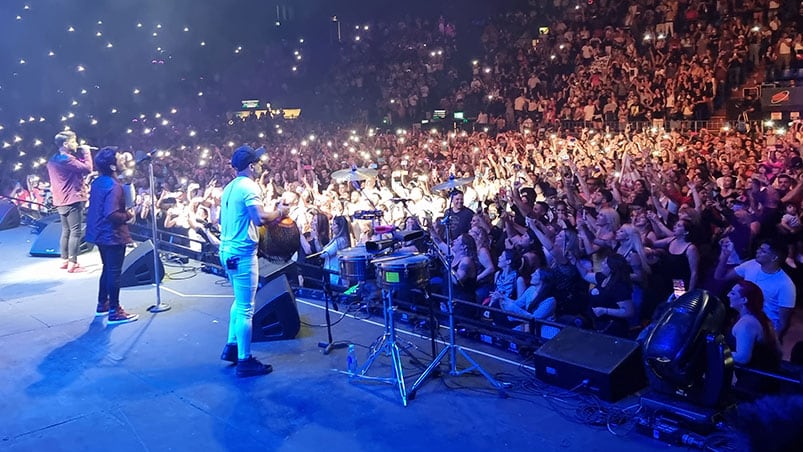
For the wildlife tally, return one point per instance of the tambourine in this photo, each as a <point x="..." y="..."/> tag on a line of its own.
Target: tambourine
<point x="279" y="239"/>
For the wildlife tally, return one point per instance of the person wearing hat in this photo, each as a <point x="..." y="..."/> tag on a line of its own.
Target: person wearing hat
<point x="107" y="227"/>
<point x="241" y="213"/>
<point x="67" y="169"/>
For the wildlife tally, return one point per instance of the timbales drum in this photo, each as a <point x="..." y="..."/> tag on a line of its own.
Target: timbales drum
<point x="355" y="265"/>
<point x="403" y="272"/>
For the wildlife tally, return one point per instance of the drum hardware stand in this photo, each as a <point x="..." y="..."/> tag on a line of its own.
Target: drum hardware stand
<point x="433" y="327"/>
<point x="388" y="345"/>
<point x="453" y="349"/>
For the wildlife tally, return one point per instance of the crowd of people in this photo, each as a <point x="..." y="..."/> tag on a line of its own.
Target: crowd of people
<point x="590" y="225"/>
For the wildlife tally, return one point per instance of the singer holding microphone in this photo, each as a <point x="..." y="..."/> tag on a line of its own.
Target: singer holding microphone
<point x="241" y="213"/>
<point x="67" y="170"/>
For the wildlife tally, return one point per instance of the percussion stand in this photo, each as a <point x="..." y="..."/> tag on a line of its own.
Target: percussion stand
<point x="432" y="324"/>
<point x="387" y="344"/>
<point x="451" y="348"/>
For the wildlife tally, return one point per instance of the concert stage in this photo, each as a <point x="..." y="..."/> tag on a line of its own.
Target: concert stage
<point x="70" y="382"/>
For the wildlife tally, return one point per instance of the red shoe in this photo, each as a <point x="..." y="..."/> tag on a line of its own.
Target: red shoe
<point x="75" y="268"/>
<point x="120" y="316"/>
<point x="64" y="265"/>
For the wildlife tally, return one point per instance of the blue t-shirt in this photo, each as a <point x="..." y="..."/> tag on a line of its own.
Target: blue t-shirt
<point x="238" y="234"/>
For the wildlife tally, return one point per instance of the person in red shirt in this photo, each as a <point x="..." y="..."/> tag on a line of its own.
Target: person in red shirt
<point x="67" y="169"/>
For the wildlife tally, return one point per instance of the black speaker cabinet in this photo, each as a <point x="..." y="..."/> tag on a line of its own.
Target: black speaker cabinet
<point x="608" y="366"/>
<point x="47" y="242"/>
<point x="9" y="215"/>
<point x="275" y="312"/>
<point x="138" y="266"/>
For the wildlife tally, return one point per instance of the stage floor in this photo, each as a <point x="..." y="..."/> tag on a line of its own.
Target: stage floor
<point x="70" y="382"/>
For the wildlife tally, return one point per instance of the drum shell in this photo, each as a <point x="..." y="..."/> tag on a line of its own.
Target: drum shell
<point x="355" y="265"/>
<point x="407" y="272"/>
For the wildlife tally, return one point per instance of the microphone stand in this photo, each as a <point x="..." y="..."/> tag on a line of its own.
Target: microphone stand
<point x="451" y="348"/>
<point x="159" y="306"/>
<point x="25" y="201"/>
<point x="38" y="224"/>
<point x="327" y="296"/>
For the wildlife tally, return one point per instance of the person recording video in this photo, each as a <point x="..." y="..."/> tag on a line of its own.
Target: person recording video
<point x="67" y="169"/>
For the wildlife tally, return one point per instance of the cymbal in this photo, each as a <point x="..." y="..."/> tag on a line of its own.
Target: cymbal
<point x="453" y="183"/>
<point x="354" y="174"/>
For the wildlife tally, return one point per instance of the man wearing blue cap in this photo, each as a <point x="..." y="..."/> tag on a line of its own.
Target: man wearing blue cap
<point x="241" y="213"/>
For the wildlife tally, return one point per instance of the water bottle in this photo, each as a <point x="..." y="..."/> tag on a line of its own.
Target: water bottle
<point x="351" y="360"/>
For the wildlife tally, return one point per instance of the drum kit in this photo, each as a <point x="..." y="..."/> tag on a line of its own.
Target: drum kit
<point x="398" y="272"/>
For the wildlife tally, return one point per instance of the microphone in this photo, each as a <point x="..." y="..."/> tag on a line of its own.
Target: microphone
<point x="142" y="156"/>
<point x="379" y="245"/>
<point x="406" y="236"/>
<point x="88" y="147"/>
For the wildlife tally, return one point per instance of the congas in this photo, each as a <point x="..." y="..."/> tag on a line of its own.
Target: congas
<point x="280" y="239"/>
<point x="403" y="272"/>
<point x="355" y="265"/>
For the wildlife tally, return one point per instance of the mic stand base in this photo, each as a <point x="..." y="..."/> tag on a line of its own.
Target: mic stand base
<point x="161" y="307"/>
<point x="452" y="349"/>
<point x="328" y="347"/>
<point x="434" y="371"/>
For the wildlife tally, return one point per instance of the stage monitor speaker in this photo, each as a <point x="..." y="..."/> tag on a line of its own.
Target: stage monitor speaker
<point x="607" y="366"/>
<point x="275" y="314"/>
<point x="9" y="215"/>
<point x="270" y="270"/>
<point x="138" y="266"/>
<point x="47" y="242"/>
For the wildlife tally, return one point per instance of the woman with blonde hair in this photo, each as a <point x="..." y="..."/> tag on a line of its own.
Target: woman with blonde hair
<point x="486" y="268"/>
<point x="600" y="234"/>
<point x="632" y="249"/>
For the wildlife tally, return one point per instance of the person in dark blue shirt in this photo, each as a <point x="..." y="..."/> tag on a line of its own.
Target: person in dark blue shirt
<point x="107" y="227"/>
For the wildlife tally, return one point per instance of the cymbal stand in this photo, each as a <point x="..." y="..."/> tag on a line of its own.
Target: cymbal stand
<point x="451" y="348"/>
<point x="387" y="344"/>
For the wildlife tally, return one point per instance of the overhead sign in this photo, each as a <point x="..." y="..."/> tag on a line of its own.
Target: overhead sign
<point x="782" y="99"/>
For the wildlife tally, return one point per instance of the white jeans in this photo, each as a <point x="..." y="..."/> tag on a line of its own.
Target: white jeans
<point x="243" y="281"/>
